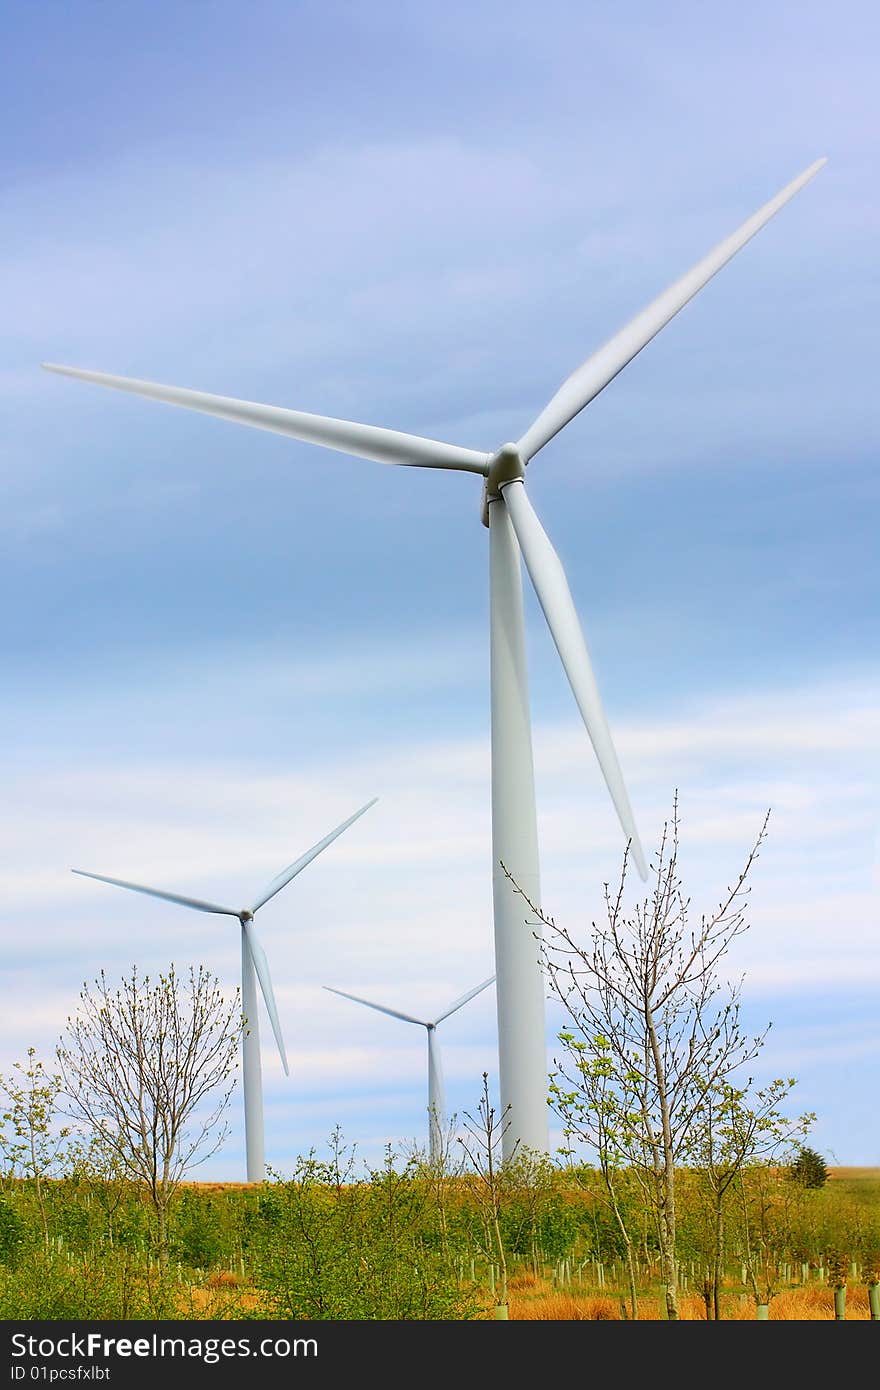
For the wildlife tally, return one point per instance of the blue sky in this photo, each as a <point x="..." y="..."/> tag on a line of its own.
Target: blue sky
<point x="218" y="643"/>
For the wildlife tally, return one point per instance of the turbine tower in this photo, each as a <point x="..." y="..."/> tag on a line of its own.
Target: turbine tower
<point x="514" y="532"/>
<point x="436" y="1098"/>
<point x="254" y="967"/>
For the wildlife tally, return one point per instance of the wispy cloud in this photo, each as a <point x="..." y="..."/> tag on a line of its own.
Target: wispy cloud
<point x="399" y="907"/>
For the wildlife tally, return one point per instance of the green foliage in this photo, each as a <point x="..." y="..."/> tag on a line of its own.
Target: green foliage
<point x="552" y="1229"/>
<point x="30" y="1137"/>
<point x="328" y="1247"/>
<point x="107" y="1285"/>
<point x="198" y="1236"/>
<point x="535" y="1212"/>
<point x="13" y="1233"/>
<point x="72" y="1221"/>
<point x="809" y="1169"/>
<point x="384" y="1245"/>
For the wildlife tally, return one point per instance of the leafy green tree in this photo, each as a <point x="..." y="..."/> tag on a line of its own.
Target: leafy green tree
<point x="735" y="1126"/>
<point x="590" y="1110"/>
<point x="809" y="1168"/>
<point x="31" y="1138"/>
<point x="197" y="1234"/>
<point x="330" y="1247"/>
<point x="771" y="1210"/>
<point x="13" y="1233"/>
<point x="99" y="1172"/>
<point x="536" y="1219"/>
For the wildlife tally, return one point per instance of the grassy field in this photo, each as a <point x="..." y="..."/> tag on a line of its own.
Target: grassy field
<point x="534" y="1299"/>
<point x="545" y="1298"/>
<point x="538" y="1300"/>
<point x="290" y="1250"/>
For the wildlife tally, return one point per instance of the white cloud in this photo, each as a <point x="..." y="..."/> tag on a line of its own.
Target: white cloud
<point x="399" y="908"/>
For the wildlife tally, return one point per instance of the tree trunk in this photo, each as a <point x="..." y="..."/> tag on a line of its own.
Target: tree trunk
<point x="501" y="1296"/>
<point x="162" y="1232"/>
<point x="627" y="1245"/>
<point x="44" y="1220"/>
<point x="719" y="1257"/>
<point x="667" y="1178"/>
<point x="670" y="1275"/>
<point x="631" y="1276"/>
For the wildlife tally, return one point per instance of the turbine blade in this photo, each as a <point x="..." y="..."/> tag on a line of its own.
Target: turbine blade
<point x="380" y="1008"/>
<point x="261" y="965"/>
<point x="551" y="586"/>
<point x="348" y="437"/>
<point x="592" y="376"/>
<point x="465" y="999"/>
<point x="197" y="903"/>
<point x="281" y="880"/>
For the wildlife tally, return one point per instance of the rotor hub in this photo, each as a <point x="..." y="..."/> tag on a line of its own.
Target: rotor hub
<point x="505" y="466"/>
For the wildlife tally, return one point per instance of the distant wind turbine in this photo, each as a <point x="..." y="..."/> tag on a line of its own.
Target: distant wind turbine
<point x="515" y="532"/>
<point x="254" y="966"/>
<point x="436" y="1098"/>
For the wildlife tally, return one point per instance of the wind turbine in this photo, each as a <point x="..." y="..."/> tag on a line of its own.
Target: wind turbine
<point x="436" y="1099"/>
<point x="254" y="966"/>
<point x="514" y="531"/>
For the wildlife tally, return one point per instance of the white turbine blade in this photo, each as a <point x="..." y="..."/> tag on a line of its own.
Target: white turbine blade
<point x="261" y="965"/>
<point x="551" y="586"/>
<point x="366" y="441"/>
<point x="380" y="1008"/>
<point x="281" y="880"/>
<point x="465" y="999"/>
<point x="197" y="903"/>
<point x="592" y="376"/>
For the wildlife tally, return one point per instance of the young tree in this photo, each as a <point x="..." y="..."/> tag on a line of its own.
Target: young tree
<point x="103" y="1175"/>
<point x="482" y="1148"/>
<point x="330" y="1246"/>
<point x="142" y="1067"/>
<point x="537" y="1221"/>
<point x="736" y="1126"/>
<point x="30" y="1137"/>
<point x="644" y="995"/>
<point x="591" y="1118"/>
<point x="809" y="1168"/>
<point x="438" y="1173"/>
<point x="770" y="1210"/>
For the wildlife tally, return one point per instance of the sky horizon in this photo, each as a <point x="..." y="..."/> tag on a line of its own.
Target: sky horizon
<point x="219" y="643"/>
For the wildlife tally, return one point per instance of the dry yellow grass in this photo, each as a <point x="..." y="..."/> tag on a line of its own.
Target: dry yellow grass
<point x="538" y="1301"/>
<point x="532" y="1299"/>
<point x="563" y="1307"/>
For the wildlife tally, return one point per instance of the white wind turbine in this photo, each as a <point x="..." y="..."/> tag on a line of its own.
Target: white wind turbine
<point x="436" y="1097"/>
<point x="514" y="530"/>
<point x="254" y="966"/>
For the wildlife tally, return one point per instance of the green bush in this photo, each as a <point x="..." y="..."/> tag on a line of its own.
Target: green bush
<point x="328" y="1248"/>
<point x="13" y="1233"/>
<point x="809" y="1169"/>
<point x="106" y="1285"/>
<point x="198" y="1236"/>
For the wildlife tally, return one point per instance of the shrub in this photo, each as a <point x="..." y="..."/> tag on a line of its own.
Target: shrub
<point x="107" y="1286"/>
<point x="330" y="1248"/>
<point x="809" y="1169"/>
<point x="197" y="1234"/>
<point x="12" y="1233"/>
